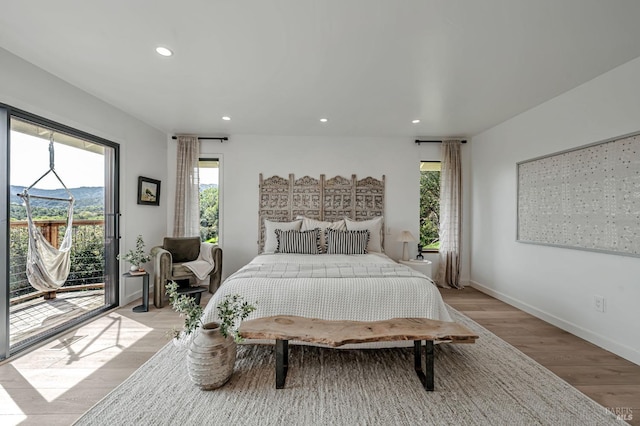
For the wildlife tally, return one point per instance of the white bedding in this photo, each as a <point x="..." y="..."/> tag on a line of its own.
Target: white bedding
<point x="367" y="287"/>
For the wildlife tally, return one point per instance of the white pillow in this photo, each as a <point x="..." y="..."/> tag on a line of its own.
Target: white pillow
<point x="270" y="237"/>
<point x="374" y="226"/>
<point x="308" y="224"/>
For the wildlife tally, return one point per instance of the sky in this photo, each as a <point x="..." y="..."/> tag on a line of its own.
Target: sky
<point x="76" y="167"/>
<point x="30" y="160"/>
<point x="208" y="175"/>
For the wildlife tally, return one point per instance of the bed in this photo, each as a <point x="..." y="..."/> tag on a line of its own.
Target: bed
<point x="366" y="287"/>
<point x="321" y="245"/>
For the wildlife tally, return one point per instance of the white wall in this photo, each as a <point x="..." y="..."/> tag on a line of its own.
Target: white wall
<point x="244" y="157"/>
<point x="142" y="148"/>
<point x="556" y="284"/>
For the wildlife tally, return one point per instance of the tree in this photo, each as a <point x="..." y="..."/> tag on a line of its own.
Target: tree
<point x="209" y="214"/>
<point x="429" y="209"/>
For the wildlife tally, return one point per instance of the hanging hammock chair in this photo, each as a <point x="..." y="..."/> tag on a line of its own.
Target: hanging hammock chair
<point x="48" y="267"/>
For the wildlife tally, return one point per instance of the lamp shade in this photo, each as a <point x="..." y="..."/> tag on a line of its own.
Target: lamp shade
<point x="406" y="237"/>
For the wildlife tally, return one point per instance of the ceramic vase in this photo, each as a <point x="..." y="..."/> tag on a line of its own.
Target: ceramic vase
<point x="211" y="357"/>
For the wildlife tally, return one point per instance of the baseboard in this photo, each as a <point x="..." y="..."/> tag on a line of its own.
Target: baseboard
<point x="597" y="339"/>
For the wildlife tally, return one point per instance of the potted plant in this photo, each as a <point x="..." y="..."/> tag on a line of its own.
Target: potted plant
<point x="212" y="351"/>
<point x="136" y="257"/>
<point x="187" y="307"/>
<point x="232" y="311"/>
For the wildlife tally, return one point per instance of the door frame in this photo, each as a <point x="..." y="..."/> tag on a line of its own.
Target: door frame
<point x="111" y="230"/>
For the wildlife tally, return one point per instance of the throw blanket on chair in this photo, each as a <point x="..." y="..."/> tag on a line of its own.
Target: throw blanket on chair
<point x="203" y="265"/>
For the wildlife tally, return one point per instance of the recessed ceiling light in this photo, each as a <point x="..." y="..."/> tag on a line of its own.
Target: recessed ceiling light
<point x="415" y="121"/>
<point x="226" y="118"/>
<point x="163" y="51"/>
<point x="324" y="120"/>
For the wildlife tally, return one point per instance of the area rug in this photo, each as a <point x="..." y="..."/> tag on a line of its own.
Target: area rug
<point x="486" y="383"/>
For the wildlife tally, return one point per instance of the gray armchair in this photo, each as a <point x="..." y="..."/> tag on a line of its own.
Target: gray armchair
<point x="168" y="265"/>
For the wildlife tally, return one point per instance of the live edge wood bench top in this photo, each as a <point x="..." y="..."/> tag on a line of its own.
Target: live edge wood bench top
<point x="340" y="332"/>
<point x="283" y="328"/>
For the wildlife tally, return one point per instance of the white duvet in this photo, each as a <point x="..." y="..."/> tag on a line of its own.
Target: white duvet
<point x="367" y="287"/>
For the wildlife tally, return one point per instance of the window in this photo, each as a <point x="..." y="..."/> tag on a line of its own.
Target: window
<point x="429" y="205"/>
<point x="209" y="208"/>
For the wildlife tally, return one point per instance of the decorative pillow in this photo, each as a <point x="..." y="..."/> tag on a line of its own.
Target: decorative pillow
<point x="270" y="239"/>
<point x="308" y="223"/>
<point x="300" y="242"/>
<point x="182" y="249"/>
<point x="347" y="242"/>
<point x="375" y="229"/>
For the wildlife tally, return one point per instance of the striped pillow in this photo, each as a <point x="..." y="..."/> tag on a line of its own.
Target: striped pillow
<point x="346" y="242"/>
<point x="308" y="223"/>
<point x="300" y="242"/>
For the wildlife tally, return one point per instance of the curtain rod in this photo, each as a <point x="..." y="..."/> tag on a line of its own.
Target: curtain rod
<point x="202" y="138"/>
<point x="419" y="141"/>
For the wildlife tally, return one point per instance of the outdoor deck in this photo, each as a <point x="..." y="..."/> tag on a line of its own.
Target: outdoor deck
<point x="31" y="317"/>
<point x="30" y="314"/>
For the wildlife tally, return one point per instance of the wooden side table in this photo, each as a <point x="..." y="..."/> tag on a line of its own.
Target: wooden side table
<point x="145" y="291"/>
<point x="423" y="266"/>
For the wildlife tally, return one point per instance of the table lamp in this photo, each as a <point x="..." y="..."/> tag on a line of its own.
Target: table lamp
<point x="405" y="238"/>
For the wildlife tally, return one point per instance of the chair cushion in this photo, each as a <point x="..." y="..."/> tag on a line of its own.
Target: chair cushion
<point x="183" y="249"/>
<point x="180" y="271"/>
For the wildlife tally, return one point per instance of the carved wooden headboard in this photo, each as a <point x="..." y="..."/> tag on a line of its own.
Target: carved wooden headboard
<point x="282" y="200"/>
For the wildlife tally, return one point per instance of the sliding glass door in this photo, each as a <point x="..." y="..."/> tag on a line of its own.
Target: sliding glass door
<point x="54" y="278"/>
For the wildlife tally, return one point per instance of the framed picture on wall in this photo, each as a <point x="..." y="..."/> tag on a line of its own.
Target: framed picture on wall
<point x="148" y="191"/>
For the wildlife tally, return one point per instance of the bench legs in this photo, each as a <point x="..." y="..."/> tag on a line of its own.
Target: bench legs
<point x="425" y="377"/>
<point x="282" y="362"/>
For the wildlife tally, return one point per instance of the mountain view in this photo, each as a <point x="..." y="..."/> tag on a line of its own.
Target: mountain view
<point x="84" y="196"/>
<point x="89" y="203"/>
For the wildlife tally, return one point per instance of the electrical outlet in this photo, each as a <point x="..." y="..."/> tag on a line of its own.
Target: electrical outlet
<point x="598" y="303"/>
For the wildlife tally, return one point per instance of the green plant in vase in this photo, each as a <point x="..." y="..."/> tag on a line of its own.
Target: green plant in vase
<point x="187" y="307"/>
<point x="231" y="311"/>
<point x="136" y="257"/>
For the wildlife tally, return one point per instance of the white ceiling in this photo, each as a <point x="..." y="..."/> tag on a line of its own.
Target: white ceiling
<point x="369" y="66"/>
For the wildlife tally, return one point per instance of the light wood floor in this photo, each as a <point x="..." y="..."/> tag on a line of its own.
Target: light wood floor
<point x="55" y="386"/>
<point x="606" y="378"/>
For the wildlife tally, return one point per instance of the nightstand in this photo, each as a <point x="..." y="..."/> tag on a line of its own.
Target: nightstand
<point x="423" y="266"/>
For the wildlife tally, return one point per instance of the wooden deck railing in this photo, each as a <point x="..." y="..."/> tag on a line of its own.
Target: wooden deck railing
<point x="87" y="252"/>
<point x="51" y="229"/>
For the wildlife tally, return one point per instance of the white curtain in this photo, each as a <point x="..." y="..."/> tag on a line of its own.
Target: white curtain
<point x="450" y="215"/>
<point x="186" y="222"/>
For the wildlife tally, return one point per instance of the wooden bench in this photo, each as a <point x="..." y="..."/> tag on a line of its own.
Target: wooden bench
<point x="283" y="328"/>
